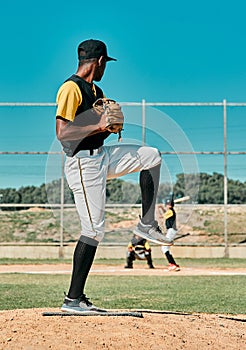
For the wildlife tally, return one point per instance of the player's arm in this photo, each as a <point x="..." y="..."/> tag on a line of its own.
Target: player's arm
<point x="161" y="209"/>
<point x="147" y="246"/>
<point x="168" y="214"/>
<point x="170" y="218"/>
<point x="67" y="131"/>
<point x="68" y="99"/>
<point x="130" y="247"/>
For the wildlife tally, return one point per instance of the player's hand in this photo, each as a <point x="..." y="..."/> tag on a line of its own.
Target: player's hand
<point x="111" y="116"/>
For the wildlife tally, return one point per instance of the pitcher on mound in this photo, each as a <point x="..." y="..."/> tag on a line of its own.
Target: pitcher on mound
<point x="82" y="125"/>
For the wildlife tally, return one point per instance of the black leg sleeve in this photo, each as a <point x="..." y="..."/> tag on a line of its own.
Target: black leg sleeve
<point x="83" y="257"/>
<point x="130" y="258"/>
<point x="149" y="259"/>
<point x="170" y="258"/>
<point x="149" y="184"/>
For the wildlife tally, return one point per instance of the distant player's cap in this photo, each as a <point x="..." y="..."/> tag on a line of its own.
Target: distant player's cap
<point x="169" y="201"/>
<point x="93" y="49"/>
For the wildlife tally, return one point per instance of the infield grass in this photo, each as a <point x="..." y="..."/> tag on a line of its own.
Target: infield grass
<point x="188" y="262"/>
<point x="209" y="294"/>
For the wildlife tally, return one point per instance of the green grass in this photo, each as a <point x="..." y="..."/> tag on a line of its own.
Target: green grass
<point x="186" y="262"/>
<point x="209" y="294"/>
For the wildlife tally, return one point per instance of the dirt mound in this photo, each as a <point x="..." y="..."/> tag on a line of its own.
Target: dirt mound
<point x="29" y="330"/>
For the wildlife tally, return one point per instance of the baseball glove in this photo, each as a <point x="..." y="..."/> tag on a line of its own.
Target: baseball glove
<point x="114" y="115"/>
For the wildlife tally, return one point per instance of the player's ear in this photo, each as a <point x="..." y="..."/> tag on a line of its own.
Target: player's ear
<point x="101" y="61"/>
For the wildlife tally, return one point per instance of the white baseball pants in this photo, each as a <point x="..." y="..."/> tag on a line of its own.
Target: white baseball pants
<point x="86" y="176"/>
<point x="171" y="234"/>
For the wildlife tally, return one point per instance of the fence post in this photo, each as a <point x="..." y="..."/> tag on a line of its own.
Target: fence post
<point x="226" y="252"/>
<point x="61" y="248"/>
<point x="143" y="122"/>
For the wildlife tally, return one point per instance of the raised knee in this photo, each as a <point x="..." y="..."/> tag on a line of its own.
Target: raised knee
<point x="156" y="154"/>
<point x="150" y="157"/>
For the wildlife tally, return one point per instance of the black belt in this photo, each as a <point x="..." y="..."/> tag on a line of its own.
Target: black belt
<point x="88" y="152"/>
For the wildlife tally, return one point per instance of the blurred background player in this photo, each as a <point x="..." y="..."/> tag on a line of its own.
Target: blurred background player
<point x="169" y="215"/>
<point x="138" y="248"/>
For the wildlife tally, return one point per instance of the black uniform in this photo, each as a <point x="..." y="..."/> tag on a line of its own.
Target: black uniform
<point x="139" y="249"/>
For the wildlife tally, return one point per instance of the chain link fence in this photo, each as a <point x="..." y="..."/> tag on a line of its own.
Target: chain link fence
<point x="193" y="137"/>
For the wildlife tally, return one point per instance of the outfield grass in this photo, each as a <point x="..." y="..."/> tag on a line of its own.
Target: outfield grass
<point x="209" y="294"/>
<point x="188" y="262"/>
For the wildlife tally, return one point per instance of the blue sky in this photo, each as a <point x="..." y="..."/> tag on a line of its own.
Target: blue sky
<point x="180" y="51"/>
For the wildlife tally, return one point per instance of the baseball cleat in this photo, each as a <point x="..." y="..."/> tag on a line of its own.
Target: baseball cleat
<point x="152" y="233"/>
<point x="173" y="267"/>
<point x="79" y="305"/>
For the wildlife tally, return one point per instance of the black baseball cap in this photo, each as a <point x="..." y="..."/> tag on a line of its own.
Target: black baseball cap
<point x="169" y="201"/>
<point x="93" y="49"/>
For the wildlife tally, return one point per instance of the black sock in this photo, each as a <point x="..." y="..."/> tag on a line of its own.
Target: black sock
<point x="170" y="258"/>
<point x="149" y="183"/>
<point x="83" y="257"/>
<point x="149" y="260"/>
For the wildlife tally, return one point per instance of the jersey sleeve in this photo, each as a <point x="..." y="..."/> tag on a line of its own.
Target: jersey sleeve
<point x="68" y="99"/>
<point x="168" y="214"/>
<point x="147" y="245"/>
<point x="130" y="245"/>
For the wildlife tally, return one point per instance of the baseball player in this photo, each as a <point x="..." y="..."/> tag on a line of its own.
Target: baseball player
<point x="170" y="223"/>
<point x="84" y="119"/>
<point x="138" y="248"/>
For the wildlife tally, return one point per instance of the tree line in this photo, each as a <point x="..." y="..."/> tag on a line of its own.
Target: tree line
<point x="202" y="189"/>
